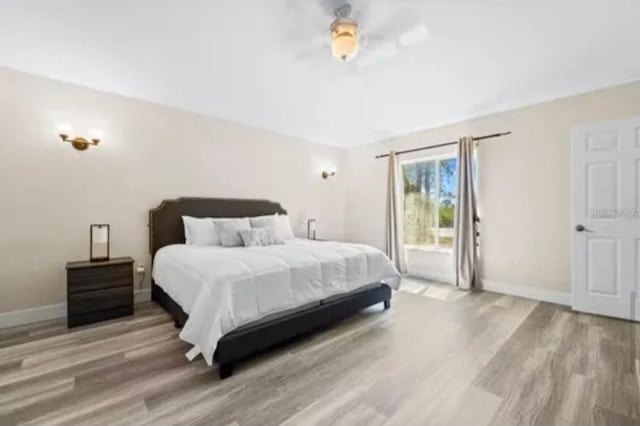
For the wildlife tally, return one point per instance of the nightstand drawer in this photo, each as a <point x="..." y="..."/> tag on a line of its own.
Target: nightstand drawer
<point x="89" y="279"/>
<point x="90" y="318"/>
<point x="100" y="300"/>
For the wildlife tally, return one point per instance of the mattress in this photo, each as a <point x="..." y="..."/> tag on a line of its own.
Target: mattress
<point x="224" y="288"/>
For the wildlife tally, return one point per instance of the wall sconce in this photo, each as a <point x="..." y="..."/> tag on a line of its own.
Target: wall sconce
<point x="79" y="142"/>
<point x="326" y="175"/>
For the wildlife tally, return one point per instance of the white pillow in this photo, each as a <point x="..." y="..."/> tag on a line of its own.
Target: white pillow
<point x="263" y="221"/>
<point x="200" y="231"/>
<point x="229" y="230"/>
<point x="278" y="223"/>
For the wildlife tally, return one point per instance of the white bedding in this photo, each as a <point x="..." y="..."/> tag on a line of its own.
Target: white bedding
<point x="223" y="288"/>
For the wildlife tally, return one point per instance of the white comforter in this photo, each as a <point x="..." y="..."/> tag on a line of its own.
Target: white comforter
<point x="223" y="288"/>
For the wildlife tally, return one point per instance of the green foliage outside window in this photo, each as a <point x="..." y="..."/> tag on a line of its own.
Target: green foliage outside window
<point x="429" y="202"/>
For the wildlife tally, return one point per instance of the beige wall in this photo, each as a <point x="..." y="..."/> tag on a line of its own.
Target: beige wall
<point x="524" y="186"/>
<point x="50" y="193"/>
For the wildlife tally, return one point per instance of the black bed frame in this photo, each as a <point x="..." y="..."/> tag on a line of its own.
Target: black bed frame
<point x="165" y="227"/>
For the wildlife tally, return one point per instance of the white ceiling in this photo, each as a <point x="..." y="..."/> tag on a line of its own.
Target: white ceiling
<point x="239" y="59"/>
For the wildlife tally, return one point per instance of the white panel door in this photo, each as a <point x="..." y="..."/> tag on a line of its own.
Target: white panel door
<point x="606" y="222"/>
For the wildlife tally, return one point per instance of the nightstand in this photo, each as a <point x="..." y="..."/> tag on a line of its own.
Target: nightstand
<point x="97" y="291"/>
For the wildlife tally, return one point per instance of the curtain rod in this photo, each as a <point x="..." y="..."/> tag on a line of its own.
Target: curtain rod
<point x="479" y="138"/>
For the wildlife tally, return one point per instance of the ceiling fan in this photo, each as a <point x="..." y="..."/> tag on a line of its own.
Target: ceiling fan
<point x="353" y="34"/>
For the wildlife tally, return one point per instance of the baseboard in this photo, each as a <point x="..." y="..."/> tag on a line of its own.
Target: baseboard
<point x="50" y="312"/>
<point x="26" y="316"/>
<point x="141" y="296"/>
<point x="528" y="292"/>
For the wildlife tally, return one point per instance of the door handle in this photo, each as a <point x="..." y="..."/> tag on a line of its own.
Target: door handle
<point x="582" y="228"/>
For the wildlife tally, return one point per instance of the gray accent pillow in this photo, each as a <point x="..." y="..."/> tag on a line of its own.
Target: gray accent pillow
<point x="229" y="230"/>
<point x="259" y="237"/>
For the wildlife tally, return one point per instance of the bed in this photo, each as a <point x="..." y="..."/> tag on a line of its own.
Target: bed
<point x="232" y="303"/>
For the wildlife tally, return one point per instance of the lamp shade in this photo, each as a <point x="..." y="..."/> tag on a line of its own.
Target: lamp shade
<point x="100" y="235"/>
<point x="345" y="39"/>
<point x="99" y="242"/>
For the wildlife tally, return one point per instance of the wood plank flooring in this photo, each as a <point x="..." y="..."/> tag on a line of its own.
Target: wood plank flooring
<point x="437" y="357"/>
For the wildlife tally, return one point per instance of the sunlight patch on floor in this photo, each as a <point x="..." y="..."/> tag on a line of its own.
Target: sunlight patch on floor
<point x="431" y="289"/>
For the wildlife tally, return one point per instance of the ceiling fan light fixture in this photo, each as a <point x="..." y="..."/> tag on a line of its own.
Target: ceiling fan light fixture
<point x="345" y="39"/>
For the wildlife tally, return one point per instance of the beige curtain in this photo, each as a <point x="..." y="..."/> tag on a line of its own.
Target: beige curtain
<point x="466" y="239"/>
<point x="394" y="234"/>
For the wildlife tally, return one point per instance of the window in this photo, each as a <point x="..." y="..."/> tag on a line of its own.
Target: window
<point x="429" y="201"/>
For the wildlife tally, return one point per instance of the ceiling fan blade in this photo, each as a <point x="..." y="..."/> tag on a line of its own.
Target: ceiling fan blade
<point x="413" y="36"/>
<point x="318" y="40"/>
<point x="309" y="47"/>
<point x="376" y="51"/>
<point x="311" y="55"/>
<point x="307" y="17"/>
<point x="360" y="12"/>
<point x="330" y="6"/>
<point x="376" y="48"/>
<point x="304" y="7"/>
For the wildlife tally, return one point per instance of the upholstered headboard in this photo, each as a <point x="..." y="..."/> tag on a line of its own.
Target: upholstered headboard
<point x="165" y="221"/>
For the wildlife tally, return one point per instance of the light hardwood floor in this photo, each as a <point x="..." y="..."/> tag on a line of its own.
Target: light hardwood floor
<point x="437" y="357"/>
